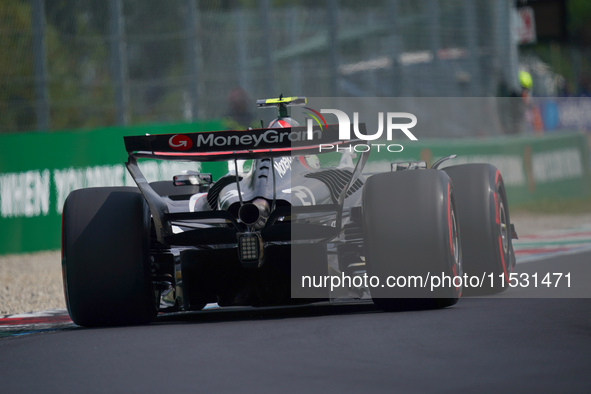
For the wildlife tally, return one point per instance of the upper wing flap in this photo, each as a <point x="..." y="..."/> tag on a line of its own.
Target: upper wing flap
<point x="219" y="145"/>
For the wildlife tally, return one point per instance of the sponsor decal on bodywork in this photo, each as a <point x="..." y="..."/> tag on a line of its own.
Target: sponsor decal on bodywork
<point x="254" y="140"/>
<point x="180" y="142"/>
<point x="283" y="165"/>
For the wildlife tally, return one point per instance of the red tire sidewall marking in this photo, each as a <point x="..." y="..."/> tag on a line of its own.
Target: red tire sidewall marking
<point x="498" y="222"/>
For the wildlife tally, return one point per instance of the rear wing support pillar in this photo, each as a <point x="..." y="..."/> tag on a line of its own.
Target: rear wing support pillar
<point x="158" y="207"/>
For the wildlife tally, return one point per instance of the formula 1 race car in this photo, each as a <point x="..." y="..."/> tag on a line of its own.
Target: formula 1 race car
<point x="284" y="219"/>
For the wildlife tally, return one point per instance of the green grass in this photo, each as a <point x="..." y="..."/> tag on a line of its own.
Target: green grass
<point x="556" y="206"/>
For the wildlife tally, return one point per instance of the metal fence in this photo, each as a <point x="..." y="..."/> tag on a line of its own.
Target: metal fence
<point x="73" y="64"/>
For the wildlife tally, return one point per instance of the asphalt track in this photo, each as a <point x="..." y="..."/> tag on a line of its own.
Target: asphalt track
<point x="479" y="345"/>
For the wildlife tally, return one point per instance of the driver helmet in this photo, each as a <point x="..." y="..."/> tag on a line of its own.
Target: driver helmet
<point x="283" y="123"/>
<point x="309" y="161"/>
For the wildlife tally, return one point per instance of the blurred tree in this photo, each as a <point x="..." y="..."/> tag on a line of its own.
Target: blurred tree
<point x="79" y="87"/>
<point x="16" y="67"/>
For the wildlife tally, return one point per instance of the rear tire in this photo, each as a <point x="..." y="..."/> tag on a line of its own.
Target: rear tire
<point x="106" y="257"/>
<point x="410" y="230"/>
<point x="483" y="213"/>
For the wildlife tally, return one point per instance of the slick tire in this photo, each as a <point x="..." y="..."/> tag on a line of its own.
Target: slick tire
<point x="105" y="257"/>
<point x="410" y="232"/>
<point x="483" y="213"/>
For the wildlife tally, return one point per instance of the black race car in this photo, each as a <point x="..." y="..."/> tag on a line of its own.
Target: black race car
<point x="286" y="226"/>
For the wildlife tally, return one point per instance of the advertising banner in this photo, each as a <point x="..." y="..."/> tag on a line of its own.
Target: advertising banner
<point x="39" y="170"/>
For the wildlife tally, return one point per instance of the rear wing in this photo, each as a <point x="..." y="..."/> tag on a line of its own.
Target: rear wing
<point x="228" y="145"/>
<point x="233" y="144"/>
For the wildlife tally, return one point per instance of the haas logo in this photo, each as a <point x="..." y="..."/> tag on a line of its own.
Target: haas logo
<point x="180" y="142"/>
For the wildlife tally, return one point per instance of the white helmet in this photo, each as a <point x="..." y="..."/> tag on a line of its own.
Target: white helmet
<point x="281" y="123"/>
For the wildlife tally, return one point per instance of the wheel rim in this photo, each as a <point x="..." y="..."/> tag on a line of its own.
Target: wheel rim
<point x="503" y="227"/>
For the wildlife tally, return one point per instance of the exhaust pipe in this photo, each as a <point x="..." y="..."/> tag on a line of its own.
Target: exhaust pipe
<point x="255" y="214"/>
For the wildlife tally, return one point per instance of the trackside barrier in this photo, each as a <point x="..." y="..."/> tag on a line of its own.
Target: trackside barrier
<point x="38" y="171"/>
